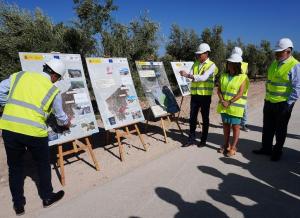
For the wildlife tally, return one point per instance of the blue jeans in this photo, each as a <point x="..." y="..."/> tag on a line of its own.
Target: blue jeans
<point x="16" y="145"/>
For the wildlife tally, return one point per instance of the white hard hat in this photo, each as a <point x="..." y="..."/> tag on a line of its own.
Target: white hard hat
<point x="283" y="44"/>
<point x="235" y="58"/>
<point x="237" y="50"/>
<point x="57" y="66"/>
<point x="203" y="47"/>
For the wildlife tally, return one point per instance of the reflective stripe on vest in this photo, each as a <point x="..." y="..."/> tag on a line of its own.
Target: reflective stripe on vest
<point x="25" y="113"/>
<point x="230" y="89"/>
<point x="278" y="85"/>
<point x="203" y="87"/>
<point x="23" y="121"/>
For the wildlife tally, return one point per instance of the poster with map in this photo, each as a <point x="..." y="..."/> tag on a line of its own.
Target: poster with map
<point x="183" y="82"/>
<point x="157" y="88"/>
<point x="75" y="96"/>
<point x="114" y="91"/>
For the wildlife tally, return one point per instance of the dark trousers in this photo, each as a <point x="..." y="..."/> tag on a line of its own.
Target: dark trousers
<point x="275" y="122"/>
<point x="201" y="102"/>
<point x="16" y="145"/>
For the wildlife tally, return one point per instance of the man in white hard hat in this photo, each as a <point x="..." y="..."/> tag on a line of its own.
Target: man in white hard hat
<point x="202" y="75"/>
<point x="244" y="67"/>
<point x="282" y="91"/>
<point x="28" y="98"/>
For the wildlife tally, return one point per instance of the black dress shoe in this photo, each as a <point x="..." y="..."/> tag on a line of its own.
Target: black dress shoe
<point x="262" y="151"/>
<point x="54" y="198"/>
<point x="201" y="144"/>
<point x="191" y="141"/>
<point x="19" y="210"/>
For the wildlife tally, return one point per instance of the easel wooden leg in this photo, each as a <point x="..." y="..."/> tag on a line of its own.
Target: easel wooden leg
<point x="164" y="129"/>
<point x="127" y="131"/>
<point x="89" y="146"/>
<point x="61" y="164"/>
<point x="121" y="148"/>
<point x="177" y="122"/>
<point x="168" y="117"/>
<point x="140" y="136"/>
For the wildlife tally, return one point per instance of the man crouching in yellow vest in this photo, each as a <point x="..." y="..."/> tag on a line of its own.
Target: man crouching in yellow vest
<point x="232" y="94"/>
<point x="202" y="74"/>
<point x="29" y="97"/>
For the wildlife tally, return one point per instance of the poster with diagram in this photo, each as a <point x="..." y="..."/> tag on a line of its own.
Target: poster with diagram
<point x="114" y="91"/>
<point x="75" y="96"/>
<point x="183" y="82"/>
<point x="157" y="88"/>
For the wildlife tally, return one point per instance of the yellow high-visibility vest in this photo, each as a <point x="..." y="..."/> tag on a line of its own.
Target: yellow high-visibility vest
<point x="278" y="85"/>
<point x="244" y="67"/>
<point x="229" y="89"/>
<point x="30" y="96"/>
<point x="203" y="87"/>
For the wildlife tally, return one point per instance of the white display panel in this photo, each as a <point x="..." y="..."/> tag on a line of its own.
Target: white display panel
<point x="114" y="91"/>
<point x="183" y="82"/>
<point x="157" y="88"/>
<point x="75" y="95"/>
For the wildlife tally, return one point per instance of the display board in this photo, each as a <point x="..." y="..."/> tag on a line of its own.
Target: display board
<point x="157" y="88"/>
<point x="75" y="96"/>
<point x="114" y="91"/>
<point x="183" y="82"/>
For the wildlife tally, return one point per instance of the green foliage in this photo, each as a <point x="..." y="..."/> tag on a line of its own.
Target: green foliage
<point x="296" y="55"/>
<point x="93" y="16"/>
<point x="182" y="43"/>
<point x="136" y="41"/>
<point x="213" y="37"/>
<point x="21" y="30"/>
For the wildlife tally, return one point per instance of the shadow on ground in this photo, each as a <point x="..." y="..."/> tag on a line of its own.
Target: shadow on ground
<point x="188" y="209"/>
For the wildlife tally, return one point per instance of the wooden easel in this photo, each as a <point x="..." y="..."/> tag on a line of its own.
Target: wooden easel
<point x="162" y="124"/>
<point x="126" y="134"/>
<point x="77" y="146"/>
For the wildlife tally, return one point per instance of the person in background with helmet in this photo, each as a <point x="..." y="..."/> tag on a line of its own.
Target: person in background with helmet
<point x="244" y="66"/>
<point x="202" y="75"/>
<point x="282" y="91"/>
<point x="29" y="97"/>
<point x="232" y="93"/>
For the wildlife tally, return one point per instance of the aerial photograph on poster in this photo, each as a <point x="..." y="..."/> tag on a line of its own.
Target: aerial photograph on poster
<point x="183" y="82"/>
<point x="75" y="96"/>
<point x="114" y="91"/>
<point x="157" y="88"/>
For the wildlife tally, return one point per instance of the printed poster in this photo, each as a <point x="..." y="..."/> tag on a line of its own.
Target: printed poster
<point x="114" y="91"/>
<point x="183" y="82"/>
<point x="157" y="88"/>
<point x="75" y="96"/>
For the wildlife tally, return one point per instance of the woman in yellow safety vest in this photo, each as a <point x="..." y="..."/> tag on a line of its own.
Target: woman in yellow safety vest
<point x="232" y="94"/>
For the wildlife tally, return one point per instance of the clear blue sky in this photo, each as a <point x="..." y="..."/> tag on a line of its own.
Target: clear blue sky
<point x="252" y="20"/>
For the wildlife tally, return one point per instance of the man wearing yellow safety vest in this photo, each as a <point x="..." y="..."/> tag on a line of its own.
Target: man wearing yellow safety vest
<point x="282" y="91"/>
<point x="244" y="67"/>
<point x="29" y="97"/>
<point x="202" y="75"/>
